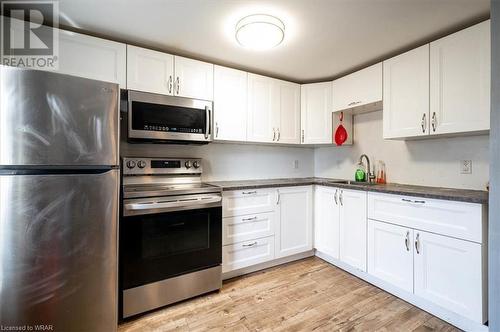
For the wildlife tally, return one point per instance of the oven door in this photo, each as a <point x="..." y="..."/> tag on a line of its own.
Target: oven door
<point x="158" y="117"/>
<point x="155" y="247"/>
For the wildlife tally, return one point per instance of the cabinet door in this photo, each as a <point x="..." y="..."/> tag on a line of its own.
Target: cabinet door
<point x="294" y="234"/>
<point x="448" y="272"/>
<point x="91" y="57"/>
<point x="406" y="94"/>
<point x="353" y="228"/>
<point x="359" y="88"/>
<point x="390" y="254"/>
<point x="262" y="105"/>
<point x="288" y="121"/>
<point x="316" y="113"/>
<point x="326" y="221"/>
<point x="193" y="79"/>
<point x="230" y="104"/>
<point x="149" y="71"/>
<point x="460" y="81"/>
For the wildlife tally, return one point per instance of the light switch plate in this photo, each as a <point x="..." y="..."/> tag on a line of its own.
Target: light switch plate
<point x="466" y="167"/>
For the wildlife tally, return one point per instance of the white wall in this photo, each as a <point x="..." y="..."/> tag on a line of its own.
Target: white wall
<point x="433" y="162"/>
<point x="234" y="161"/>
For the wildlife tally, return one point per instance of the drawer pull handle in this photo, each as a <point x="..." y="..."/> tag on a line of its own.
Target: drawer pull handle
<point x="336" y="197"/>
<point x="341" y="198"/>
<point x="434" y="122"/>
<point x="412" y="201"/>
<point x="423" y="123"/>
<point x="250" y="244"/>
<point x="407" y="241"/>
<point x="249" y="192"/>
<point x="249" y="219"/>
<point x="417" y="243"/>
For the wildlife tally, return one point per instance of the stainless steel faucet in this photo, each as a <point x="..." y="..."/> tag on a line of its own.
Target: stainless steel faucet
<point x="369" y="175"/>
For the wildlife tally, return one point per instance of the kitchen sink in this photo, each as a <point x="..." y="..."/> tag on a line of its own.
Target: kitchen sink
<point x="351" y="182"/>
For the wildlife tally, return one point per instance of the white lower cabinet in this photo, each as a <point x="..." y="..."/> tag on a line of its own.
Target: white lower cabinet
<point x="245" y="254"/>
<point x="438" y="268"/>
<point x="448" y="272"/>
<point x="294" y="234"/>
<point x="263" y="224"/>
<point x="390" y="254"/>
<point x="326" y="221"/>
<point x="353" y="228"/>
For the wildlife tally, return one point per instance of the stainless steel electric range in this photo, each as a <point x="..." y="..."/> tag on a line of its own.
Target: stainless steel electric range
<point x="170" y="233"/>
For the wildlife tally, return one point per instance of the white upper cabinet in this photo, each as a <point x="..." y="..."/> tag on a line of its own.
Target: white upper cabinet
<point x="262" y="103"/>
<point x="358" y="89"/>
<point x="326" y="221"/>
<point x="294" y="234"/>
<point x="288" y="123"/>
<point x="193" y="78"/>
<point x="273" y="110"/>
<point x="353" y="228"/>
<point x="92" y="57"/>
<point x="155" y="72"/>
<point x="406" y="94"/>
<point x="230" y="104"/>
<point x="150" y="71"/>
<point x="460" y="81"/>
<point x="316" y="113"/>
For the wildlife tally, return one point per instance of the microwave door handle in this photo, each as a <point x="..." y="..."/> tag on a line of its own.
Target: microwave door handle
<point x="208" y="122"/>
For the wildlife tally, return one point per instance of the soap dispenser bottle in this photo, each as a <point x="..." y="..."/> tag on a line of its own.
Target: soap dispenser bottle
<point x="360" y="174"/>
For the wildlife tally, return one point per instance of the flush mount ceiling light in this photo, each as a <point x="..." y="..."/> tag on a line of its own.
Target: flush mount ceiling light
<point x="260" y="32"/>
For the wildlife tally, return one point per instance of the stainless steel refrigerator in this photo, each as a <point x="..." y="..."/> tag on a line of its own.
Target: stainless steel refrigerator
<point x="58" y="201"/>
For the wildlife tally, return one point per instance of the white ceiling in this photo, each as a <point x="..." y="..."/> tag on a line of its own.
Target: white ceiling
<point x="324" y="38"/>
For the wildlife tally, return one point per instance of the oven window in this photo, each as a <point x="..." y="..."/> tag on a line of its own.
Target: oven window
<point x="168" y="118"/>
<point x="155" y="247"/>
<point x="169" y="235"/>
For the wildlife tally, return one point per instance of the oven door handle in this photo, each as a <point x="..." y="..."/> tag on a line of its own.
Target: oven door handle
<point x="181" y="203"/>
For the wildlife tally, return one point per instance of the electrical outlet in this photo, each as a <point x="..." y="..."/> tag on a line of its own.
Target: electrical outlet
<point x="295" y="164"/>
<point x="466" y="167"/>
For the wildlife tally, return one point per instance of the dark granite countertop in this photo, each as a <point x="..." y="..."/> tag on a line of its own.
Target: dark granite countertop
<point x="462" y="195"/>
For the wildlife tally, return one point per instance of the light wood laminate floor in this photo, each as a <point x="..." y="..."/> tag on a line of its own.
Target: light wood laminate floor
<point x="306" y="295"/>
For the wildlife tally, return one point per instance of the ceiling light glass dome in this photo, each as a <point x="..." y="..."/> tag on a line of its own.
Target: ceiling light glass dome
<point x="260" y="32"/>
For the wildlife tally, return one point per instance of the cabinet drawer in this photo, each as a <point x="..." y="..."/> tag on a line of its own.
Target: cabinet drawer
<point x="251" y="201"/>
<point x="456" y="219"/>
<point x="243" y="254"/>
<point x="247" y="227"/>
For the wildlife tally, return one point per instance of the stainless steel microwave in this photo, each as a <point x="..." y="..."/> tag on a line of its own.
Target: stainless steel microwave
<point x="161" y="118"/>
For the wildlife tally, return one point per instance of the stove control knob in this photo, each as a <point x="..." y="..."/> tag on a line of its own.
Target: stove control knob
<point x="188" y="164"/>
<point x="130" y="164"/>
<point x="141" y="164"/>
<point x="196" y="164"/>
